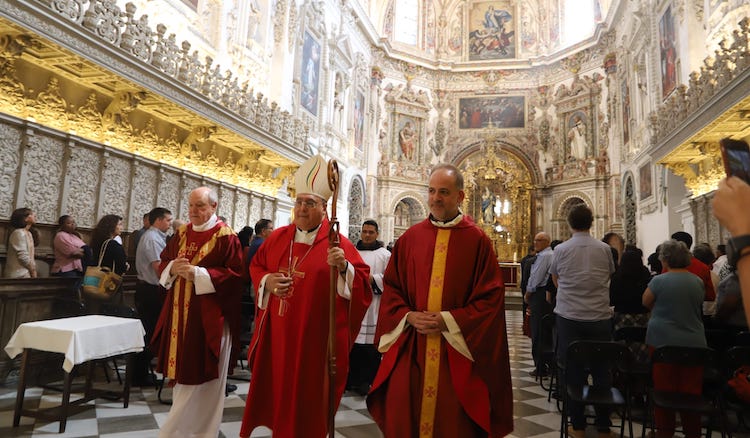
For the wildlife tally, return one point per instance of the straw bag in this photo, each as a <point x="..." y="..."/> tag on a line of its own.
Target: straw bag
<point x="100" y="281"/>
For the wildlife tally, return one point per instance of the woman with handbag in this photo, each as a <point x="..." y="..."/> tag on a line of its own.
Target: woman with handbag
<point x="68" y="248"/>
<point x="20" y="262"/>
<point x="103" y="239"/>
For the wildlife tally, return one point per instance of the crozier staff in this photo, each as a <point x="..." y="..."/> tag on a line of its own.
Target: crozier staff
<point x="288" y="353"/>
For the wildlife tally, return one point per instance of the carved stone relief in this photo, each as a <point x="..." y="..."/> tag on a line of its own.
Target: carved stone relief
<point x="42" y="165"/>
<point x="268" y="208"/>
<point x="254" y="204"/>
<point x="188" y="185"/>
<point x="226" y="204"/>
<point x="355" y="203"/>
<point x="169" y="184"/>
<point x="10" y="141"/>
<point x="241" y="208"/>
<point x="82" y="174"/>
<point x="144" y="193"/>
<point x="630" y="211"/>
<point x="115" y="186"/>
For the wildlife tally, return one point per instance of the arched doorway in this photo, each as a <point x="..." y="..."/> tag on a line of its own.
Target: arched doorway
<point x="563" y="231"/>
<point x="407" y="212"/>
<point x="356" y="208"/>
<point x="630" y="209"/>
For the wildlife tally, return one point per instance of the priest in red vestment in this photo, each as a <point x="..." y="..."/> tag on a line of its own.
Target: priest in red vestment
<point x="201" y="268"/>
<point x="288" y="352"/>
<point x="441" y="328"/>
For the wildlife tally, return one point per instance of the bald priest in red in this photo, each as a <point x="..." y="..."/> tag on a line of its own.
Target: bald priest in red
<point x="288" y="352"/>
<point x="441" y="328"/>
<point x="201" y="268"/>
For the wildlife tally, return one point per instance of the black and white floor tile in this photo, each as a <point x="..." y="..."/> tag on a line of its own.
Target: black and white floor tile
<point x="533" y="415"/>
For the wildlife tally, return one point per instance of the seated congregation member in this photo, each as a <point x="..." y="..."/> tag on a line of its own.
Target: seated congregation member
<point x="675" y="299"/>
<point x="69" y="249"/>
<point x="20" y="261"/>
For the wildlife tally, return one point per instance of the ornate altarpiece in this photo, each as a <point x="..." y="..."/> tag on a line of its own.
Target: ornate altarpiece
<point x="499" y="193"/>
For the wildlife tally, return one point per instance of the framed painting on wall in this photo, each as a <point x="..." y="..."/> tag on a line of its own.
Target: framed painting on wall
<point x="492" y="30"/>
<point x="504" y="112"/>
<point x="645" y="186"/>
<point x="310" y="74"/>
<point x="668" y="53"/>
<point x="407" y="136"/>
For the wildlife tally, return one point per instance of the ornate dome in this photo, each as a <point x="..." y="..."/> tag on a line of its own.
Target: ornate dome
<point x="499" y="33"/>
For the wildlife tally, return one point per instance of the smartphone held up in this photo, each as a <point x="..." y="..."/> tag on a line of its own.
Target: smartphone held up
<point x="736" y="157"/>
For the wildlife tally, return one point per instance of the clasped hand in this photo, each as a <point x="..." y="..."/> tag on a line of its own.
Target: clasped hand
<point x="426" y="322"/>
<point x="279" y="284"/>
<point x="182" y="267"/>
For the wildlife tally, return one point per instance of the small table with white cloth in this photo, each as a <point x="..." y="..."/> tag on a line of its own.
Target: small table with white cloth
<point x="80" y="339"/>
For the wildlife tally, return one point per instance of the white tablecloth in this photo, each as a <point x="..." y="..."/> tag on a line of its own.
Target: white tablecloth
<point x="80" y="339"/>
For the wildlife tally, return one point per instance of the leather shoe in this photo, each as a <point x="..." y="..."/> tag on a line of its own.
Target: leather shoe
<point x="536" y="373"/>
<point x="231" y="388"/>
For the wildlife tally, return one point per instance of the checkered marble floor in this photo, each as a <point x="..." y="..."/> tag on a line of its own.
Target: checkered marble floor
<point x="533" y="415"/>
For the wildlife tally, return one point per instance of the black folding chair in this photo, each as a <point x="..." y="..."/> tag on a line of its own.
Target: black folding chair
<point x="706" y="404"/>
<point x="615" y="358"/>
<point x="734" y="358"/>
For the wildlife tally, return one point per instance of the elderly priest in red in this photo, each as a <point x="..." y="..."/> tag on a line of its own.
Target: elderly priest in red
<point x="288" y="352"/>
<point x="441" y="328"/>
<point x="201" y="268"/>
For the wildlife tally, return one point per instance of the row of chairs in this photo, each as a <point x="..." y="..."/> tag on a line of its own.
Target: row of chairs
<point x="618" y="360"/>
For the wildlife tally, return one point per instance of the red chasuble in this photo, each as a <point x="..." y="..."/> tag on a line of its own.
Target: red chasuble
<point x="188" y="334"/>
<point x="288" y="353"/>
<point x="443" y="393"/>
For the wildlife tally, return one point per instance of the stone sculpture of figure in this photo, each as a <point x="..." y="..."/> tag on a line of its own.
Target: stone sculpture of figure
<point x="406" y="140"/>
<point x="488" y="214"/>
<point x="577" y="138"/>
<point x="253" y="21"/>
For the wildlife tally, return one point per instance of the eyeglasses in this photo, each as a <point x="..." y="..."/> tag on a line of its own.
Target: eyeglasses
<point x="307" y="204"/>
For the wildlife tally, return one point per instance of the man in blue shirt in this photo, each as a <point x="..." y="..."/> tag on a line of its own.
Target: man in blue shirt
<point x="149" y="295"/>
<point x="581" y="269"/>
<point x="536" y="295"/>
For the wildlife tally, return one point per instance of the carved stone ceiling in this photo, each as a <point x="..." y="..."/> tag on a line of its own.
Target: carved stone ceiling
<point x="46" y="59"/>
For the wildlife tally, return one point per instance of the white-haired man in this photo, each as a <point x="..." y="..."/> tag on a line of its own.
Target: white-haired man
<point x="201" y="268"/>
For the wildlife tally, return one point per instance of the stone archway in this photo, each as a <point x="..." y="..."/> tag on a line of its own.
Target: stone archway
<point x="630" y="210"/>
<point x="356" y="208"/>
<point x="407" y="212"/>
<point x="563" y="231"/>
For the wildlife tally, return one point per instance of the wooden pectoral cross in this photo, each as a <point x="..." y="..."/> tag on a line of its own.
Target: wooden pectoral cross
<point x="290" y="271"/>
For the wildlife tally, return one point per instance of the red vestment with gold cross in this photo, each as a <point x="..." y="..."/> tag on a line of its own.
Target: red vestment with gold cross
<point x="465" y="398"/>
<point x="288" y="353"/>
<point x="187" y="338"/>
